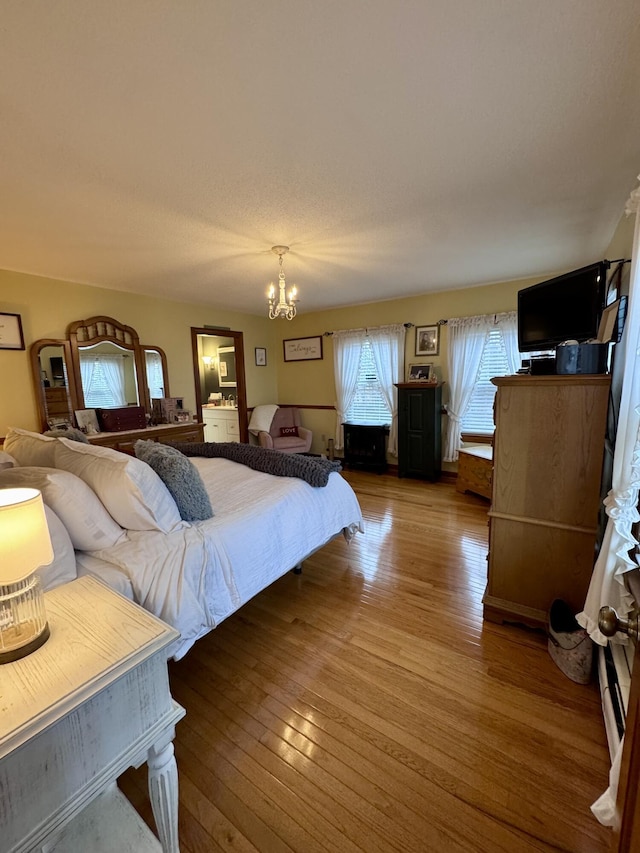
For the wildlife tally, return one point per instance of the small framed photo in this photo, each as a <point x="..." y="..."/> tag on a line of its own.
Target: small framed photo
<point x="261" y="356"/>
<point x="608" y="322"/>
<point x="421" y="373"/>
<point x="428" y="340"/>
<point x="87" y="420"/>
<point x="11" y="336"/>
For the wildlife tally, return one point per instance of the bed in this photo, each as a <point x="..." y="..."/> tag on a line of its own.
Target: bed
<point x="125" y="528"/>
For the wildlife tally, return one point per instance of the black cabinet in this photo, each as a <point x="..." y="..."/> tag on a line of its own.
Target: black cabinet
<point x="419" y="430"/>
<point x="365" y="446"/>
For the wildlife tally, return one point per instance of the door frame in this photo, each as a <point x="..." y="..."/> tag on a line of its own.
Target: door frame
<point x="241" y="384"/>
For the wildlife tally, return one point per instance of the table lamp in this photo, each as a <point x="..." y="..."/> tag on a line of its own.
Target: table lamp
<point x="25" y="545"/>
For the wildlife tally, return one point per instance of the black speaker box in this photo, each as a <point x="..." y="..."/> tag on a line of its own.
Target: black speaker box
<point x="542" y="366"/>
<point x="582" y="358"/>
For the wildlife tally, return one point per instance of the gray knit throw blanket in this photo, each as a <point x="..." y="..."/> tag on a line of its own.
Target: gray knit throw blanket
<point x="312" y="469"/>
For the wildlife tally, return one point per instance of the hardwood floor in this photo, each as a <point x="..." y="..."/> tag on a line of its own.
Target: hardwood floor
<point x="365" y="706"/>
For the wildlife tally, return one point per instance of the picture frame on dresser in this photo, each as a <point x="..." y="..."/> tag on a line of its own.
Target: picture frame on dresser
<point x="87" y="420"/>
<point x="59" y="423"/>
<point x="420" y="373"/>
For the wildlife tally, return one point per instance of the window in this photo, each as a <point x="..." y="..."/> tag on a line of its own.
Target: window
<point x="494" y="362"/>
<point x="369" y="405"/>
<point x="155" y="375"/>
<point x="103" y="381"/>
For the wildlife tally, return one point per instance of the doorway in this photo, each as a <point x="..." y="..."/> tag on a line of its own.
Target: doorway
<point x="218" y="367"/>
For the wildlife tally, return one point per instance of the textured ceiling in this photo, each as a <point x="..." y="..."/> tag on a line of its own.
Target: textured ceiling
<point x="397" y="147"/>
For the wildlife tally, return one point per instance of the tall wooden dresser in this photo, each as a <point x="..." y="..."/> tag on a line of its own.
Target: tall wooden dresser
<point x="547" y="465"/>
<point x="419" y="430"/>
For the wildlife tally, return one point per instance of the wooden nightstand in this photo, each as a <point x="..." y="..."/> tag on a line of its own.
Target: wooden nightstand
<point x="74" y="715"/>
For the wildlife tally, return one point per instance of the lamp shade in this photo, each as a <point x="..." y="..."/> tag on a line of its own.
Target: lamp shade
<point x="25" y="544"/>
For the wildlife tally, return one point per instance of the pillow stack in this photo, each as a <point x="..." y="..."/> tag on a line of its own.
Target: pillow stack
<point x="76" y="505"/>
<point x="130" y="491"/>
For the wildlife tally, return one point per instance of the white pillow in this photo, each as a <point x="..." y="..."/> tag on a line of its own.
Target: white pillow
<point x="63" y="568"/>
<point x="30" y="448"/>
<point x="6" y="460"/>
<point x="88" y="523"/>
<point x="129" y="489"/>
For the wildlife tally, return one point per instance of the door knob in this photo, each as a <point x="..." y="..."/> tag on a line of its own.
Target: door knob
<point x="610" y="623"/>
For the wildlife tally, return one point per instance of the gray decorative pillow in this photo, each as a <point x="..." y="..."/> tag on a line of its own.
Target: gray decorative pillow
<point x="71" y="433"/>
<point x="179" y="476"/>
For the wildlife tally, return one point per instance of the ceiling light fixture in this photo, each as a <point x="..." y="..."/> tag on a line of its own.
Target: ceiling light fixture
<point x="285" y="308"/>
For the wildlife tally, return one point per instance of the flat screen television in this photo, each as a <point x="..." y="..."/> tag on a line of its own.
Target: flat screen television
<point x="565" y="308"/>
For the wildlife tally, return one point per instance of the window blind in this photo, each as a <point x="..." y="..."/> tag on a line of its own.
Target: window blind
<point x="369" y="405"/>
<point x="99" y="395"/>
<point x="479" y="415"/>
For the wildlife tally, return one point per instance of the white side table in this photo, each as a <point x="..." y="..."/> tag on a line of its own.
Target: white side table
<point x="74" y="715"/>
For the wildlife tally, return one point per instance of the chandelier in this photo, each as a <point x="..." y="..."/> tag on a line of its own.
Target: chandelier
<point x="282" y="308"/>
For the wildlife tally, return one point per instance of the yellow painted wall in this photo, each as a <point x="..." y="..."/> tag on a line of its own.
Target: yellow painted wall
<point x="312" y="383"/>
<point x="47" y="306"/>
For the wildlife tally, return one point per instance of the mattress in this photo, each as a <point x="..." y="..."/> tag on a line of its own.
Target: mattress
<point x="262" y="527"/>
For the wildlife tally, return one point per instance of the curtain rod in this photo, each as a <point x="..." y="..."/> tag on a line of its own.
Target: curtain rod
<point x="493" y="314"/>
<point x="366" y="328"/>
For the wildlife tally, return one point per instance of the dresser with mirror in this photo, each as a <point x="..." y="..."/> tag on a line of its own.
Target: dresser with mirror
<point x="103" y="359"/>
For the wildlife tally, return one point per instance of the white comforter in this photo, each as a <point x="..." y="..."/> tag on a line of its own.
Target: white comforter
<point x="262" y="527"/>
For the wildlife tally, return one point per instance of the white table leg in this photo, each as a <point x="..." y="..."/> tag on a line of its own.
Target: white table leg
<point x="163" y="792"/>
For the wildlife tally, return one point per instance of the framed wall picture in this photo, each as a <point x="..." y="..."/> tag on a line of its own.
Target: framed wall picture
<point x="227" y="367"/>
<point x="420" y="373"/>
<point x="428" y="340"/>
<point x="11" y="336"/>
<point x="303" y="349"/>
<point x="608" y="322"/>
<point x="261" y="356"/>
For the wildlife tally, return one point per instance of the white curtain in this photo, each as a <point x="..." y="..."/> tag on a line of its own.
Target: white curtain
<point x="112" y="369"/>
<point x="607" y="582"/>
<point x="466" y="338"/>
<point x="87" y="366"/>
<point x="346" y="360"/>
<point x="155" y="376"/>
<point x="508" y="324"/>
<point x="113" y="372"/>
<point x="387" y="345"/>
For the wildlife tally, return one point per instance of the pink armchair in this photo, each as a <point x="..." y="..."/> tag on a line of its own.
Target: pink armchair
<point x="286" y="418"/>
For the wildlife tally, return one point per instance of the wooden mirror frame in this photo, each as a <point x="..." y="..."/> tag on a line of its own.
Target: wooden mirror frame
<point x="87" y="333"/>
<point x="95" y="330"/>
<point x="241" y="384"/>
<point x="165" y="370"/>
<point x="40" y="390"/>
